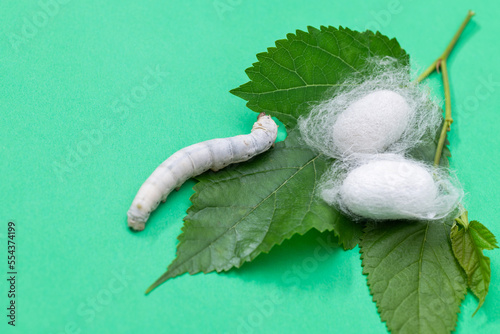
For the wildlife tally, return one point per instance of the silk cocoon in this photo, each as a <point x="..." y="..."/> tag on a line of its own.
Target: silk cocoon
<point x="369" y="114"/>
<point x="390" y="187"/>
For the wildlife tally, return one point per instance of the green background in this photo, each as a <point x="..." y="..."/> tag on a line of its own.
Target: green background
<point x="67" y="71"/>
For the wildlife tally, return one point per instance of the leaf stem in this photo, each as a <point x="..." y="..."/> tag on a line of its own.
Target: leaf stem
<point x="447" y="113"/>
<point x="435" y="65"/>
<point x="440" y="62"/>
<point x="463" y="220"/>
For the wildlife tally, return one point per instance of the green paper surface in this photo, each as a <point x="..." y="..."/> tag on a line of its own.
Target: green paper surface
<point x="94" y="95"/>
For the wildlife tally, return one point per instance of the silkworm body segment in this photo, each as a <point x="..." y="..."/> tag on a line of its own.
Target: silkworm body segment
<point x="193" y="160"/>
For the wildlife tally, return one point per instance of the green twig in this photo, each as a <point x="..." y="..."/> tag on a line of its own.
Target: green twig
<point x="447" y="113"/>
<point x="435" y="65"/>
<point x="440" y="62"/>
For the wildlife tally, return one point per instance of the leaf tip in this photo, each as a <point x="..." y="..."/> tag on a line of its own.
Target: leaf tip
<point x="235" y="91"/>
<point x="154" y="286"/>
<point x="481" y="301"/>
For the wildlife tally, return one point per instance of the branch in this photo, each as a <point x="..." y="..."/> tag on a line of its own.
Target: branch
<point x="436" y="64"/>
<point x="440" y="62"/>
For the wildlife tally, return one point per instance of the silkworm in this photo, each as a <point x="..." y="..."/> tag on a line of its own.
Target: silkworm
<point x="193" y="160"/>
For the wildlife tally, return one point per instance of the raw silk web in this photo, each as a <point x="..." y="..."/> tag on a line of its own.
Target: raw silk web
<point x="369" y="126"/>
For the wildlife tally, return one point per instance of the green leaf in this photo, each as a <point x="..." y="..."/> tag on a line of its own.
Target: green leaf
<point x="348" y="232"/>
<point x="413" y="276"/>
<point x="482" y="237"/>
<point x="246" y="209"/>
<point x="299" y="71"/>
<point x="468" y="245"/>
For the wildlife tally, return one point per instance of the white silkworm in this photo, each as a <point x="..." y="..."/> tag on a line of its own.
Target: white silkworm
<point x="193" y="160"/>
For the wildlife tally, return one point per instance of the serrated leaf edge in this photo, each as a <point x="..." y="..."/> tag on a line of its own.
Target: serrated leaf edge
<point x="367" y="274"/>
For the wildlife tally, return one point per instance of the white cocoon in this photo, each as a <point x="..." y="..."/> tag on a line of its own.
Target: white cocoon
<point x="391" y="187"/>
<point x="372" y="123"/>
<point x="380" y="112"/>
<point x="368" y="124"/>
